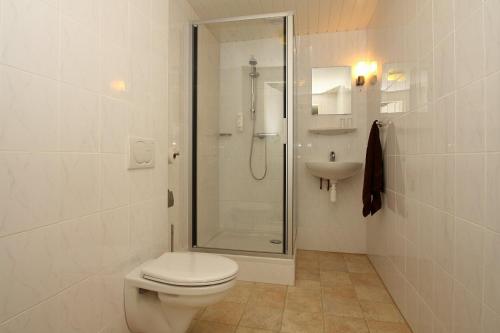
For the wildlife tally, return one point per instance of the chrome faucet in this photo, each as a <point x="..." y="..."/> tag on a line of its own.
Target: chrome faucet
<point x="332" y="156"/>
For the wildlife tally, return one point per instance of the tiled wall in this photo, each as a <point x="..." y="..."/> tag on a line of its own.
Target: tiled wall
<point x="76" y="79"/>
<point x="436" y="243"/>
<point x="323" y="225"/>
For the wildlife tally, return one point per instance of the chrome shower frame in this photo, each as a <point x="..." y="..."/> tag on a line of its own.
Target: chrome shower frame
<point x="289" y="234"/>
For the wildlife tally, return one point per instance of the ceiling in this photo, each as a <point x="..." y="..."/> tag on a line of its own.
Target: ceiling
<point x="311" y="16"/>
<point x="247" y="30"/>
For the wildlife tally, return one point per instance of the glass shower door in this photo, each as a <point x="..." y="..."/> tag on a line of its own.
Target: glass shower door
<point x="239" y="135"/>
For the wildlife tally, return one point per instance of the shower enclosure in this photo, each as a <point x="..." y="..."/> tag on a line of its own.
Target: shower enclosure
<point x="242" y="135"/>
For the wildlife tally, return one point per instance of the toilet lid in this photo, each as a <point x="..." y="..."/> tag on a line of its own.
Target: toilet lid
<point x="190" y="269"/>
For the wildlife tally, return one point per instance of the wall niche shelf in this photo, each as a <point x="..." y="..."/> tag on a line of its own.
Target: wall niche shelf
<point x="331" y="130"/>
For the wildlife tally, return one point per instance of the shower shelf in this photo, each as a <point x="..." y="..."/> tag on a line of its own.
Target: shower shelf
<point x="331" y="130"/>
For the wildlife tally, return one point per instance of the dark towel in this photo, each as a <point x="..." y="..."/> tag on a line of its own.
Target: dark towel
<point x="373" y="184"/>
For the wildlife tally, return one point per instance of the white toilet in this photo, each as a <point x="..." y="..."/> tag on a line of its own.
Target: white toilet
<point x="163" y="295"/>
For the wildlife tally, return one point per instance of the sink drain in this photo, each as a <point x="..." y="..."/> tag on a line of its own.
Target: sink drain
<point x="275" y="241"/>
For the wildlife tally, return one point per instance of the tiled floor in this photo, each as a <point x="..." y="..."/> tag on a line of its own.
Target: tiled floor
<point x="334" y="293"/>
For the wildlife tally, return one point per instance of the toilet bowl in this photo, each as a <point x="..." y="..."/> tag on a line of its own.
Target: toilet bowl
<point x="163" y="295"/>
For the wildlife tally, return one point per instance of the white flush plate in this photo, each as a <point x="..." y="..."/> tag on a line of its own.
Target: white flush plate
<point x="141" y="153"/>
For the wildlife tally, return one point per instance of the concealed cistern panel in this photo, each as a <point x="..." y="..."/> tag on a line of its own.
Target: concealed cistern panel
<point x="142" y="153"/>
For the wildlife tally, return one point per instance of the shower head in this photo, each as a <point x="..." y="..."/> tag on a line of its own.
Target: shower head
<point x="253" y="61"/>
<point x="253" y="64"/>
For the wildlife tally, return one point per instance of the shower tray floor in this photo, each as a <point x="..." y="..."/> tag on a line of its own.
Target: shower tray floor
<point x="246" y="241"/>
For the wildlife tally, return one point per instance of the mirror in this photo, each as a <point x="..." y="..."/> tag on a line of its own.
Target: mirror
<point x="331" y="90"/>
<point x="395" y="88"/>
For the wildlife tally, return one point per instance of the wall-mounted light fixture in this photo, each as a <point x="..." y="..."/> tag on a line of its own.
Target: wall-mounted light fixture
<point x="366" y="70"/>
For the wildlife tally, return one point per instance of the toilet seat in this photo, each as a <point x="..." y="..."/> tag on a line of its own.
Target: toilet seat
<point x="190" y="269"/>
<point x="183" y="284"/>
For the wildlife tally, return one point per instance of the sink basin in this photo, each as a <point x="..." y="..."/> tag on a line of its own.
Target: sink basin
<point x="333" y="170"/>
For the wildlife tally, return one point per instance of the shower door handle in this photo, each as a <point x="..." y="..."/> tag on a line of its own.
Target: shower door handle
<point x="284" y="131"/>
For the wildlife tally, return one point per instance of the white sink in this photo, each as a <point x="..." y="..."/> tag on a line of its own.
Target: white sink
<point x="333" y="171"/>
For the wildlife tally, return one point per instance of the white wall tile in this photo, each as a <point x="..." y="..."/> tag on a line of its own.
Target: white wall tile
<point x="63" y="252"/>
<point x="464" y="9"/>
<point x="115" y="181"/>
<point x="492" y="35"/>
<point x="80" y="53"/>
<point x="82" y="244"/>
<point x="490" y="321"/>
<point x="116" y="231"/>
<point x="44" y="318"/>
<point x="469" y="256"/>
<point x="115" y="71"/>
<point x="81" y="307"/>
<point x="470" y="187"/>
<point x="80" y="183"/>
<point x="466" y="311"/>
<point x="31" y="194"/>
<point x="160" y="12"/>
<point x="469" y="130"/>
<point x="464" y="162"/>
<point x="144" y="6"/>
<point x="79" y="126"/>
<point x="445" y="66"/>
<point x="469" y="49"/>
<point x="492" y="270"/>
<point x="444" y="240"/>
<point x="115" y="122"/>
<point x="492" y="105"/>
<point x="492" y="191"/>
<point x="28" y="111"/>
<point x="114" y="22"/>
<point x="442" y="19"/>
<point x="111" y="284"/>
<point x="30" y="27"/>
<point x="443" y="298"/>
<point x="444" y="126"/>
<point x="141" y="228"/>
<point x="31" y="269"/>
<point x="444" y="182"/>
<point x="86" y="12"/>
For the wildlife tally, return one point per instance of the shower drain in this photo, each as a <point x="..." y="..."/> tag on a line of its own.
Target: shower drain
<point x="275" y="241"/>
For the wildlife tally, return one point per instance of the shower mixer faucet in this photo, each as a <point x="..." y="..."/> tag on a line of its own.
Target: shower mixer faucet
<point x="332" y="156"/>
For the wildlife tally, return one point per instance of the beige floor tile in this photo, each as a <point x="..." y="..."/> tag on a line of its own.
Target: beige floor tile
<point x="307" y="300"/>
<point x="334" y="263"/>
<point x="381" y="312"/>
<point x="369" y="279"/>
<point x="346" y="291"/>
<point x="268" y="295"/>
<point x="335" y="279"/>
<point x="302" y="322"/>
<point x="202" y="326"/>
<point x="242" y="329"/>
<point x="330" y="255"/>
<point x="224" y="312"/>
<point x="381" y="327"/>
<point x="306" y="284"/>
<point x="262" y="317"/>
<point x="356" y="258"/>
<point x="336" y="324"/>
<point x="374" y="294"/>
<point x="308" y="255"/>
<point x="358" y="267"/>
<point x="240" y="293"/>
<point x="307" y="274"/>
<point x="307" y="264"/>
<point x="341" y="306"/>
